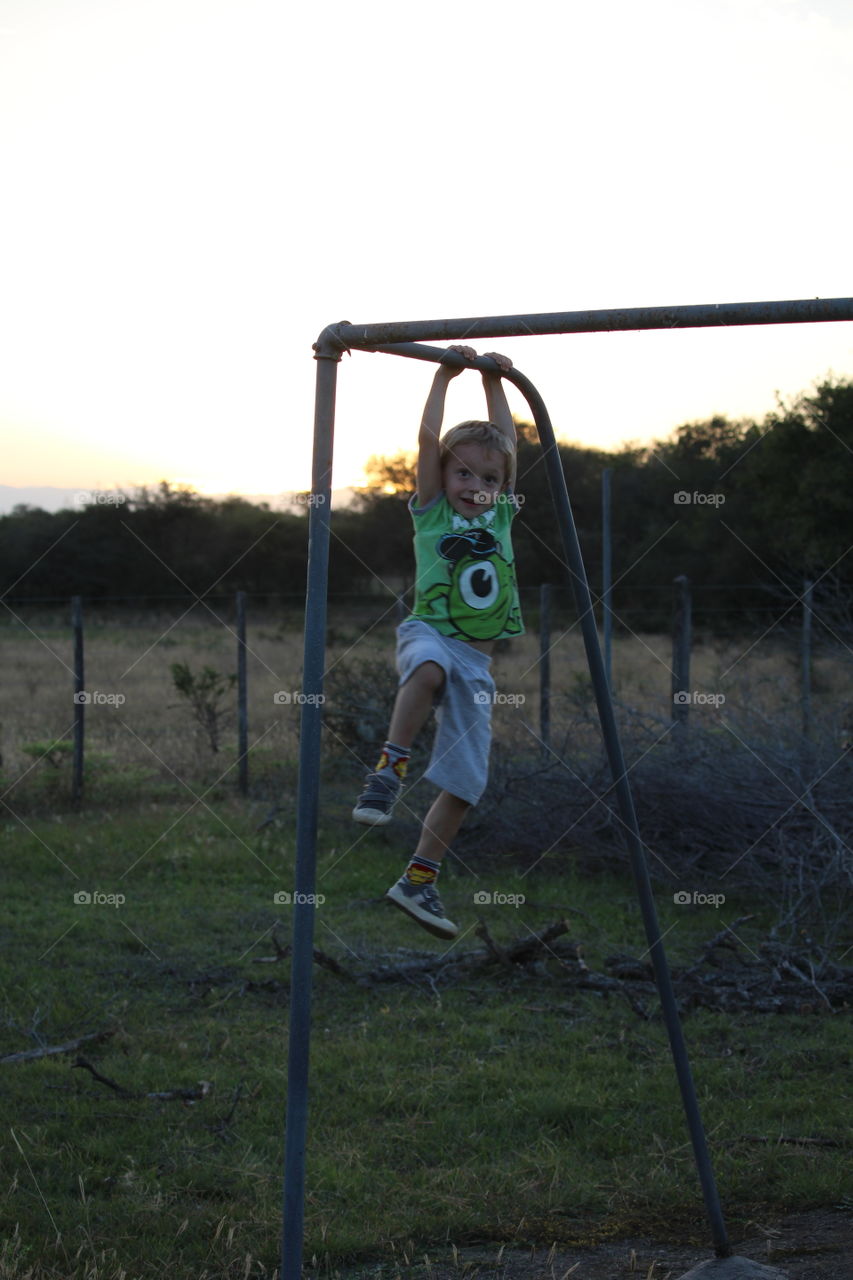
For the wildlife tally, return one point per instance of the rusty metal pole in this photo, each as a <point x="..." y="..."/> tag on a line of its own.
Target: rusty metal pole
<point x="301" y="973"/>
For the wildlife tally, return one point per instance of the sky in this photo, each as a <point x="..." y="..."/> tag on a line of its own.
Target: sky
<point x="193" y="189"/>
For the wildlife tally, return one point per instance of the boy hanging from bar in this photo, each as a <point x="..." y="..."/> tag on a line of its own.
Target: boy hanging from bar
<point x="466" y="598"/>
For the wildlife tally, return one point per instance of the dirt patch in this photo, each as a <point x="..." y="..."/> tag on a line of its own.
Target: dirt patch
<point x="806" y="1246"/>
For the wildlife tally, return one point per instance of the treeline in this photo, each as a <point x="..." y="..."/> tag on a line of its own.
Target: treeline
<point x="734" y="505"/>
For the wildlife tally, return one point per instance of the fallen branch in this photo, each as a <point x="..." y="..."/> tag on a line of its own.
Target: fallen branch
<point x="527" y="949"/>
<point x="728" y="975"/>
<point x="189" y="1095"/>
<point x="725" y="938"/>
<point x="30" y="1055"/>
<point x="495" y="951"/>
<point x="321" y="958"/>
<point x="81" y="1062"/>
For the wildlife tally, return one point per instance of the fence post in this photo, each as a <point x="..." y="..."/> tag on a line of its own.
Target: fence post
<point x="545" y="666"/>
<point x="607" y="571"/>
<point x="242" y="698"/>
<point x="806" y="695"/>
<point x="681" y="629"/>
<point x="79" y="701"/>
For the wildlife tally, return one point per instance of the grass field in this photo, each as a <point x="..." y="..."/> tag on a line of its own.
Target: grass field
<point x="499" y="1110"/>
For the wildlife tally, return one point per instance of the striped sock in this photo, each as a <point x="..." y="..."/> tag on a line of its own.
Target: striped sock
<point x="422" y="871"/>
<point x="394" y="757"/>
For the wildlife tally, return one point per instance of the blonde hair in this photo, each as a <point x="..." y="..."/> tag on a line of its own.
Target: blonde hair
<point x="474" y="432"/>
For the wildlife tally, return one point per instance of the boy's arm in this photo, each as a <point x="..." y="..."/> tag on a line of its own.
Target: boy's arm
<point x="429" y="458"/>
<point x="498" y="409"/>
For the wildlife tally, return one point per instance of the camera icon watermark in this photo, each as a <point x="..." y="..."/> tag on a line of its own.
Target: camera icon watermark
<point x="293" y="697"/>
<point x="83" y="898"/>
<point x="97" y="698"/>
<point x="683" y="698"/>
<point x="98" y="498"/>
<point x="684" y="898"/>
<point x="285" y="899"/>
<point x="682" y="498"/>
<point x="484" y="898"/>
<point x="482" y="697"/>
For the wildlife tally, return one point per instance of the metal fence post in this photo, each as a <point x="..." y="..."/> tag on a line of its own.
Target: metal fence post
<point x="79" y="701"/>
<point x="242" y="699"/>
<point x="808" y="596"/>
<point x="607" y="571"/>
<point x="681" y="641"/>
<point x="545" y="665"/>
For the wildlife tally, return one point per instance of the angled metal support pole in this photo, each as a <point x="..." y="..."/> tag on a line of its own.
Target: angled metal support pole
<point x="627" y="814"/>
<point x="328" y="353"/>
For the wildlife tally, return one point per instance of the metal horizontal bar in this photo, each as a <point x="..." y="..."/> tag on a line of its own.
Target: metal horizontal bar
<point x="803" y="311"/>
<point x="436" y="355"/>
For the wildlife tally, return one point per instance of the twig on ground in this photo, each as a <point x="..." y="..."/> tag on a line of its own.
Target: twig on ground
<point x="189" y="1095"/>
<point x="30" y="1055"/>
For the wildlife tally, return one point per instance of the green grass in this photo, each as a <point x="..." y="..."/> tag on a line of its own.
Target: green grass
<point x="503" y="1109"/>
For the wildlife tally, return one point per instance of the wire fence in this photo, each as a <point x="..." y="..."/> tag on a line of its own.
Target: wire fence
<point x="245" y="698"/>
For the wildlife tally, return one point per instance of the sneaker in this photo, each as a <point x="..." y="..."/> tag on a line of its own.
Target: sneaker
<point x="422" y="903"/>
<point x="377" y="800"/>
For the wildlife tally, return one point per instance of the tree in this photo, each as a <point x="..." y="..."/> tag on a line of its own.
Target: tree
<point x="796" y="479"/>
<point x="388" y="477"/>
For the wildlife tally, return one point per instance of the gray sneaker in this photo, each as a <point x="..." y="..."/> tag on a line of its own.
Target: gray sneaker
<point x="376" y="802"/>
<point x="422" y="903"/>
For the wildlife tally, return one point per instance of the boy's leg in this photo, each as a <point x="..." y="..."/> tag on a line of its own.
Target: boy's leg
<point x="459" y="764"/>
<point x="412" y="705"/>
<point x="415" y="891"/>
<point x="414" y="702"/>
<point x="441" y="824"/>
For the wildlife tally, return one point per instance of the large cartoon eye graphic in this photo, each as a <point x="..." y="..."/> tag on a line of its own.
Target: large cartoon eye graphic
<point x="478" y="585"/>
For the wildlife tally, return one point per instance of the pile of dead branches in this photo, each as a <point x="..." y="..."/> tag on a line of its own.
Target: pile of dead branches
<point x="720" y="806"/>
<point x="727" y="975"/>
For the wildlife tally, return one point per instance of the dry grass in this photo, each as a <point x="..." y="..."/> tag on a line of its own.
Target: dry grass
<point x="152" y="735"/>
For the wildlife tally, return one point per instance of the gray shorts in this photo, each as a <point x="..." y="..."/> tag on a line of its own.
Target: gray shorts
<point x="463" y="710"/>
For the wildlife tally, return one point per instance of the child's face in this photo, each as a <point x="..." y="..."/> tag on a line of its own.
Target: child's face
<point x="473" y="477"/>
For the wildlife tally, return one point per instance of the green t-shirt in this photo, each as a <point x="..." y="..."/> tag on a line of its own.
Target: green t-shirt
<point x="465" y="583"/>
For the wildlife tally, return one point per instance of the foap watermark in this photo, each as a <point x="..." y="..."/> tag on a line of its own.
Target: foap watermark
<point x="310" y="499"/>
<point x="684" y="698"/>
<point x="482" y="696"/>
<point x="98" y="498"/>
<point x="285" y="899"/>
<point x="686" y="898"/>
<point x="485" y="898"/>
<point x="682" y="498"/>
<point x="97" y="698"/>
<point x="85" y="898"/>
<point x="495" y="499"/>
<point x="293" y="697"/>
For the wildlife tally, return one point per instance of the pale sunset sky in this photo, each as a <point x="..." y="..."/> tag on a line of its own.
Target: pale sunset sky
<point x="193" y="189"/>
